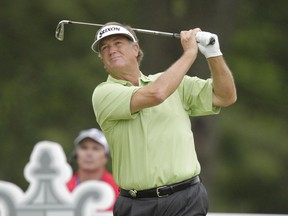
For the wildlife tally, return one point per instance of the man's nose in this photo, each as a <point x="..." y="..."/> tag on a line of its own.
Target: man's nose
<point x="112" y="49"/>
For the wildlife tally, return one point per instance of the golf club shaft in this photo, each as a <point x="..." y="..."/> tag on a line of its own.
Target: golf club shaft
<point x="60" y="30"/>
<point x="145" y="31"/>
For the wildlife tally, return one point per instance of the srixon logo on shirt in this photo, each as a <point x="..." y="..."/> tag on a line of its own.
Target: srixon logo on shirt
<point x="108" y="30"/>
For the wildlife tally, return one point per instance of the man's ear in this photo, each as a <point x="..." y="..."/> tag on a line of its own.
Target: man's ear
<point x="100" y="57"/>
<point x="136" y="48"/>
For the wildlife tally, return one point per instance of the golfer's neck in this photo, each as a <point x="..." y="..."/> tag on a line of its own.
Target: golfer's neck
<point x="131" y="76"/>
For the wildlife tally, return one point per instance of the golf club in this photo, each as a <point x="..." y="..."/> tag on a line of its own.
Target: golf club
<point x="59" y="34"/>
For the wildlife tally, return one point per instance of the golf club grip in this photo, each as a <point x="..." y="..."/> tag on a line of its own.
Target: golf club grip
<point x="211" y="40"/>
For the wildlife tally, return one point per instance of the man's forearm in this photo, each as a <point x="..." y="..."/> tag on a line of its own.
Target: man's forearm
<point x="224" y="90"/>
<point x="158" y="91"/>
<point x="163" y="86"/>
<point x="172" y="77"/>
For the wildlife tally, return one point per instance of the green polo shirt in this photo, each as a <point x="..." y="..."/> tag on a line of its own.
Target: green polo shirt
<point x="154" y="146"/>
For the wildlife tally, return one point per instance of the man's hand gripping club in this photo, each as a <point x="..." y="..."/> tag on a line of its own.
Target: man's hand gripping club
<point x="207" y="49"/>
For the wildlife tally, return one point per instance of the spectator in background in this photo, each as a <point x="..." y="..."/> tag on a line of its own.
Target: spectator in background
<point x="91" y="153"/>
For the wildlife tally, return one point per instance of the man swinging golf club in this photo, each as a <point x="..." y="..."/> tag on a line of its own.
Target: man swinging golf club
<point x="145" y="119"/>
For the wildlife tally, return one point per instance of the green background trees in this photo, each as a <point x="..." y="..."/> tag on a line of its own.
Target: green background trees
<point x="46" y="86"/>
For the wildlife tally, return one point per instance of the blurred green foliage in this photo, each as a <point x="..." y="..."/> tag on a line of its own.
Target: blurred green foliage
<point x="46" y="86"/>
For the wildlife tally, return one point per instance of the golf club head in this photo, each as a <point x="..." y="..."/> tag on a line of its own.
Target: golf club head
<point x="59" y="34"/>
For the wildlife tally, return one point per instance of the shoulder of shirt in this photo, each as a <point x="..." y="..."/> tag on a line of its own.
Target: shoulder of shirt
<point x="104" y="86"/>
<point x="112" y="81"/>
<point x="154" y="76"/>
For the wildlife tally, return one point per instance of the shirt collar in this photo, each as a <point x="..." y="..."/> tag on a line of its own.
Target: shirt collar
<point x="143" y="79"/>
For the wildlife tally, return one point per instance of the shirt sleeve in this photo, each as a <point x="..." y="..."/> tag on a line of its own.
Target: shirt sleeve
<point x="111" y="102"/>
<point x="196" y="95"/>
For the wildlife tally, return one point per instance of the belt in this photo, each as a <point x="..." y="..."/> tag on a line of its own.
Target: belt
<point x="162" y="191"/>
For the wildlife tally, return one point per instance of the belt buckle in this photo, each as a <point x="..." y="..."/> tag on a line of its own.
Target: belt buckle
<point x="158" y="192"/>
<point x="133" y="193"/>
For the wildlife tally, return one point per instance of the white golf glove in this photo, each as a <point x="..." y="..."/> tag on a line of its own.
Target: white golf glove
<point x="208" y="50"/>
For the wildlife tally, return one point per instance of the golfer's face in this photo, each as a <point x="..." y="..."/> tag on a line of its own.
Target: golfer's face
<point x="118" y="52"/>
<point x="91" y="155"/>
